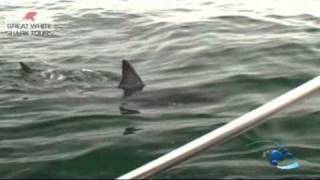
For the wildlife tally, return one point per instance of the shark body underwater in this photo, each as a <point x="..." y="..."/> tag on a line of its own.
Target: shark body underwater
<point x="134" y="98"/>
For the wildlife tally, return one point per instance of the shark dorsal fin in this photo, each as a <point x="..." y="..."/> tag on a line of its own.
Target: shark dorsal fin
<point x="130" y="80"/>
<point x="25" y="68"/>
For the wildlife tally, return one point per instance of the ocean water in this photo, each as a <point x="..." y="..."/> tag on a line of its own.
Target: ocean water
<point x="204" y="64"/>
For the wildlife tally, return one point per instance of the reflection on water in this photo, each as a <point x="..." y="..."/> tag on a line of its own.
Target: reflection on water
<point x="204" y="63"/>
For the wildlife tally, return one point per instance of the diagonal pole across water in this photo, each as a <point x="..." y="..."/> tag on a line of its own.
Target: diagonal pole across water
<point x="233" y="128"/>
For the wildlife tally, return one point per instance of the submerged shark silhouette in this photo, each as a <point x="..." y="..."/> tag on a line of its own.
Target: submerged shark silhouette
<point x="134" y="99"/>
<point x="130" y="81"/>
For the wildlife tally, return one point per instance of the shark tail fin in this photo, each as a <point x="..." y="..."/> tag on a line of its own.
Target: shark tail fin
<point x="130" y="81"/>
<point x="25" y="68"/>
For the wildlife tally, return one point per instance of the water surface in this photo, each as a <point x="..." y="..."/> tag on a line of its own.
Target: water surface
<point x="204" y="64"/>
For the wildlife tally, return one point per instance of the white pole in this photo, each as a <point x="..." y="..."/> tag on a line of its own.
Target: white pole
<point x="231" y="129"/>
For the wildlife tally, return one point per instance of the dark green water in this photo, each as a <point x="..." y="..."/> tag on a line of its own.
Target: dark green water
<point x="204" y="64"/>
